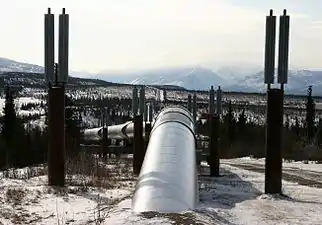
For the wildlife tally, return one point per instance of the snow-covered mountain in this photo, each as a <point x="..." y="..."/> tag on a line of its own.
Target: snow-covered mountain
<point x="30" y="75"/>
<point x="231" y="79"/>
<point x="195" y="78"/>
<point x="8" y="65"/>
<point x="298" y="82"/>
<point x="233" y="73"/>
<point x="189" y="78"/>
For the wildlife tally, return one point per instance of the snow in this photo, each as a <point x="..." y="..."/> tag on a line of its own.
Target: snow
<point x="23" y="100"/>
<point x="310" y="166"/>
<point x="236" y="197"/>
<point x="250" y="206"/>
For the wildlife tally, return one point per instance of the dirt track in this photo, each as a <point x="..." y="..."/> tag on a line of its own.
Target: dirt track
<point x="297" y="175"/>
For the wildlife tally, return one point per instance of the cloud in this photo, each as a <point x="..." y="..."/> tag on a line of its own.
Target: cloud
<point x="113" y="34"/>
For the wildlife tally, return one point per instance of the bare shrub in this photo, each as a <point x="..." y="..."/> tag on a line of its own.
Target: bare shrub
<point x="15" y="195"/>
<point x="88" y="170"/>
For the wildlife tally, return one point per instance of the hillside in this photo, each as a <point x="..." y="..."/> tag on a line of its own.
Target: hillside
<point x="36" y="80"/>
<point x="231" y="79"/>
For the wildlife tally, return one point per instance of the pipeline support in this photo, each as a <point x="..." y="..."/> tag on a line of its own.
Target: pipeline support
<point x="213" y="145"/>
<point x="56" y="128"/>
<point x="274" y="126"/>
<point x="138" y="144"/>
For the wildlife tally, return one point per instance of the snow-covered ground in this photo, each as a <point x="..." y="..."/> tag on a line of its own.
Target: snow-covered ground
<point x="23" y="100"/>
<point x="234" y="198"/>
<point x="287" y="164"/>
<point x="238" y="196"/>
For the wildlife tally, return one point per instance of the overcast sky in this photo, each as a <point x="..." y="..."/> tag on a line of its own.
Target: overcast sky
<point x="139" y="34"/>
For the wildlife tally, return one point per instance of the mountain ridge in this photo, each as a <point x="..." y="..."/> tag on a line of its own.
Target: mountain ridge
<point x="191" y="78"/>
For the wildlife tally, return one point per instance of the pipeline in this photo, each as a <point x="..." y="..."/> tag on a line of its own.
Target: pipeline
<point x="168" y="177"/>
<point x="118" y="132"/>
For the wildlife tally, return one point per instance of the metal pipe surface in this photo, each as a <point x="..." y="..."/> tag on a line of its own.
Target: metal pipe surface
<point x="168" y="177"/>
<point x="49" y="47"/>
<point x="118" y="132"/>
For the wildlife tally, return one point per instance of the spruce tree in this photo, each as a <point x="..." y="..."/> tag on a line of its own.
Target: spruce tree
<point x="72" y="128"/>
<point x="230" y="122"/>
<point x="287" y="122"/>
<point x="319" y="130"/>
<point x="296" y="128"/>
<point x="13" y="133"/>
<point x="310" y="114"/>
<point x="241" y="123"/>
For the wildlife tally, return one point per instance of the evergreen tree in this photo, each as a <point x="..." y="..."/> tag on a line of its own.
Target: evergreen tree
<point x="230" y="122"/>
<point x="199" y="126"/>
<point x="296" y="128"/>
<point x="13" y="134"/>
<point x="319" y="130"/>
<point x="310" y="114"/>
<point x="72" y="128"/>
<point x="39" y="145"/>
<point x="287" y="122"/>
<point x="241" y="122"/>
<point x="2" y="82"/>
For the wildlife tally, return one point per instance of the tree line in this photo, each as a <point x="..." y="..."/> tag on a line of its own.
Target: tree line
<point x="23" y="145"/>
<point x="241" y="136"/>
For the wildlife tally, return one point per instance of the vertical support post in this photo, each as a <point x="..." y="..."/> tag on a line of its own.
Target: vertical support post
<point x="109" y="143"/>
<point x="283" y="48"/>
<point x="275" y="99"/>
<point x="63" y="47"/>
<point x="56" y="125"/>
<point x="189" y="104"/>
<point x="105" y="147"/>
<point x="194" y="107"/>
<point x="213" y="160"/>
<point x="142" y="100"/>
<point x="146" y="112"/>
<point x="134" y="101"/>
<point x="106" y="116"/>
<point x="147" y="135"/>
<point x="165" y="96"/>
<point x="211" y="109"/>
<point x="274" y="125"/>
<point x="117" y="144"/>
<point x="270" y="40"/>
<point x="150" y="112"/>
<point x="102" y="117"/>
<point x="126" y="143"/>
<point x="138" y="145"/>
<point x="148" y="129"/>
<point x="219" y="101"/>
<point x="49" y="46"/>
<point x="56" y="96"/>
<point x="283" y="54"/>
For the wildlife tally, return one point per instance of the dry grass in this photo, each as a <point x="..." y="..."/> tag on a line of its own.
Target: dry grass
<point x="24" y="173"/>
<point x="15" y="196"/>
<point x="89" y="171"/>
<point x="84" y="170"/>
<point x="175" y="218"/>
<point x="84" y="173"/>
